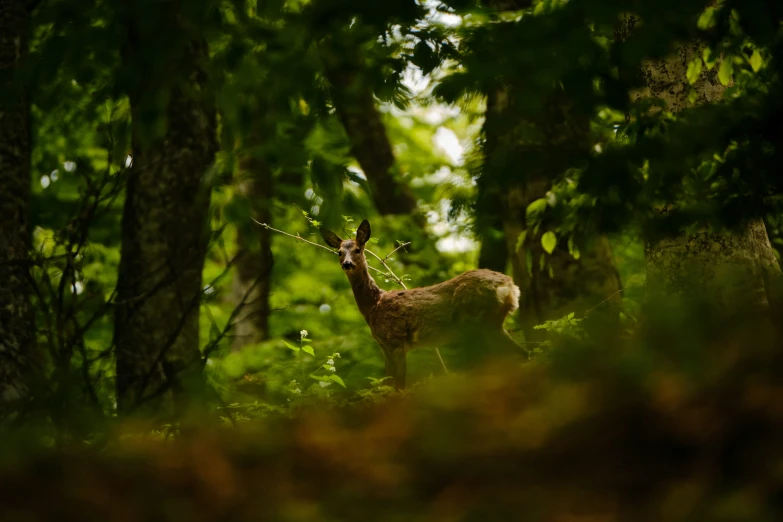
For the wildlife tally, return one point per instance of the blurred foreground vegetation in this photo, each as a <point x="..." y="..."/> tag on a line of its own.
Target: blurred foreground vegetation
<point x="680" y="423"/>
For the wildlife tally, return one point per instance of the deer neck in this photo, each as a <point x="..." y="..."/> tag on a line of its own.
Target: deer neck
<point x="366" y="292"/>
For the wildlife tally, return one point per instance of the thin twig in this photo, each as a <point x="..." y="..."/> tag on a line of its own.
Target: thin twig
<point x="402" y="245"/>
<point x="390" y="273"/>
<point x="605" y="300"/>
<point x="300" y="238"/>
<point x="297" y="236"/>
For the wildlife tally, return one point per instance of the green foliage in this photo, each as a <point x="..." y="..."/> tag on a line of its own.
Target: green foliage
<point x="312" y="391"/>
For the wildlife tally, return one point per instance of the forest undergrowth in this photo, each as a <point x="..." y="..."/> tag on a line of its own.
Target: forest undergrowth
<point x="678" y="419"/>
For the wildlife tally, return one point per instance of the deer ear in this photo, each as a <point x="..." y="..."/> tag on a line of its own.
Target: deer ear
<point x="331" y="238"/>
<point x="363" y="233"/>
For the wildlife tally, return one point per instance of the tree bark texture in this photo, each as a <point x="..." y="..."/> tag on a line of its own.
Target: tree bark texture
<point x="725" y="268"/>
<point x="354" y="102"/>
<point x="521" y="157"/>
<point x="252" y="282"/>
<point x="17" y="331"/>
<point x="564" y="284"/>
<point x="165" y="230"/>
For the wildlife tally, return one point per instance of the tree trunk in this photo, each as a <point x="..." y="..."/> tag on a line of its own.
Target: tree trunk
<point x="252" y="283"/>
<point x="17" y="331"/>
<point x="726" y="269"/>
<point x="489" y="226"/>
<point x="165" y="230"/>
<point x="354" y="102"/>
<point x="551" y="285"/>
<point x="544" y="144"/>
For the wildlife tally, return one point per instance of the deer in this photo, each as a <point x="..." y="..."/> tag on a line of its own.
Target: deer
<point x="477" y="301"/>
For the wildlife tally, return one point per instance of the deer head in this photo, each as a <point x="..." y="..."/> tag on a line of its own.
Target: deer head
<point x="351" y="251"/>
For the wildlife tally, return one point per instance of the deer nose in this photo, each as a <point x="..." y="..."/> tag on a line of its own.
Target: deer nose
<point x="347" y="265"/>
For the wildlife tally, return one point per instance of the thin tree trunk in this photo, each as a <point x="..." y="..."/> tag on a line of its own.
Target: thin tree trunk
<point x="551" y="285"/>
<point x="17" y="331"/>
<point x="562" y="284"/>
<point x="725" y="268"/>
<point x="354" y="102"/>
<point x="252" y="283"/>
<point x="490" y="200"/>
<point x="165" y="229"/>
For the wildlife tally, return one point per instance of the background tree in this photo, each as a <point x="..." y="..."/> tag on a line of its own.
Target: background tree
<point x="17" y="329"/>
<point x="354" y="62"/>
<point x="708" y="262"/>
<point x="165" y="228"/>
<point x="528" y="146"/>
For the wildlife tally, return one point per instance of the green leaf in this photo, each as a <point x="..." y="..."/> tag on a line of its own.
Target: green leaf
<point x="725" y="72"/>
<point x="572" y="249"/>
<point x="536" y="207"/>
<point x="707" y="19"/>
<point x="756" y="61"/>
<point x="291" y="346"/>
<point x="337" y="379"/>
<point x="549" y="241"/>
<point x="424" y="57"/>
<point x="694" y="70"/>
<point x="308" y="350"/>
<point x="520" y="240"/>
<point x="709" y="58"/>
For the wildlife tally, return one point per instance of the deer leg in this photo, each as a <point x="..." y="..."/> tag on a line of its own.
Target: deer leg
<point x="395" y="365"/>
<point x="400" y="369"/>
<point x="389" y="370"/>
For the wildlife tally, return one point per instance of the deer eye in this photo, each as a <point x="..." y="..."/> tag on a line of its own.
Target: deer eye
<point x="356" y="251"/>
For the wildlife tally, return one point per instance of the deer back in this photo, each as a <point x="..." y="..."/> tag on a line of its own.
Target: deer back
<point x="435" y="314"/>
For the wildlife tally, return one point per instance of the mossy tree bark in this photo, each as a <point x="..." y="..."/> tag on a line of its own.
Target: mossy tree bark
<point x="725" y="268"/>
<point x="165" y="229"/>
<point x="17" y="331"/>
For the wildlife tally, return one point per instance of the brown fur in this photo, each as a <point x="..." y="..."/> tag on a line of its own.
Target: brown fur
<point x="478" y="300"/>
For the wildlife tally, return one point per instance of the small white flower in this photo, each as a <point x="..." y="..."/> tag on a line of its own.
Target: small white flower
<point x="332" y="369"/>
<point x="330" y="362"/>
<point x="337" y="354"/>
<point x="303" y="333"/>
<point x="297" y="391"/>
